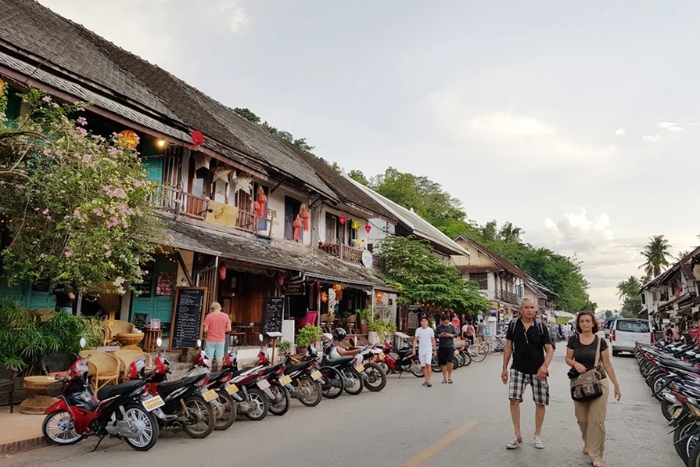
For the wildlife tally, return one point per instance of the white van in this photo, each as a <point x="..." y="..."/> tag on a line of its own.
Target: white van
<point x="626" y="332"/>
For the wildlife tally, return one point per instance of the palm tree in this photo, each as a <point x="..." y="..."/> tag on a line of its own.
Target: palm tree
<point x="682" y="254"/>
<point x="656" y="253"/>
<point x="628" y="288"/>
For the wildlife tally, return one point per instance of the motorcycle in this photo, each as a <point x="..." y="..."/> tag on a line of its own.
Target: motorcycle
<point x="403" y="360"/>
<point x="252" y="389"/>
<point x="332" y="382"/>
<point x="351" y="374"/>
<point x="373" y="377"/>
<point x="123" y="411"/>
<point x="187" y="402"/>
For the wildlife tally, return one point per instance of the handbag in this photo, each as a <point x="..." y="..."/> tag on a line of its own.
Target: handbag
<point x="587" y="386"/>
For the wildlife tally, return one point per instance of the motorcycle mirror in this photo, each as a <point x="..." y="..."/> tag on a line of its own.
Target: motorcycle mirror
<point x="260" y="336"/>
<point x="159" y="342"/>
<point x="199" y="343"/>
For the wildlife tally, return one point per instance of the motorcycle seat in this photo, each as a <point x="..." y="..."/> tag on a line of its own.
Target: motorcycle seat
<point x="296" y="367"/>
<point x="164" y="389"/>
<point x="338" y="362"/>
<point x="215" y="375"/>
<point x="111" y="391"/>
<point x="272" y="369"/>
<point x="681" y="366"/>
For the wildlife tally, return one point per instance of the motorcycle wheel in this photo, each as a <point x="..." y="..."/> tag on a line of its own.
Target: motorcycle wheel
<point x="658" y="383"/>
<point x="350" y="374"/>
<point x="316" y="391"/>
<point x="434" y="365"/>
<point x="694" y="458"/>
<point x="416" y="369"/>
<point x="200" y="417"/>
<point x="260" y="399"/>
<point x="58" y="428"/>
<point x="281" y="407"/>
<point x="467" y="358"/>
<point x="679" y="443"/>
<point x="227" y="415"/>
<point x="334" y="382"/>
<point x="148" y="424"/>
<point x="667" y="409"/>
<point x="374" y="378"/>
<point x="384" y="367"/>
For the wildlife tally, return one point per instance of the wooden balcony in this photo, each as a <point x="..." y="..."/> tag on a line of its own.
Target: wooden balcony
<point x="251" y="222"/>
<point x="351" y="254"/>
<point x="181" y="203"/>
<point x="508" y="297"/>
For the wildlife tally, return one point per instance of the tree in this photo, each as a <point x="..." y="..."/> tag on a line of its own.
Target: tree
<point x="247" y="114"/>
<point x="359" y="177"/>
<point x="682" y="254"/>
<point x="608" y="314"/>
<point x="656" y="253"/>
<point x="77" y="206"/>
<point x="628" y="288"/>
<point x="423" y="278"/>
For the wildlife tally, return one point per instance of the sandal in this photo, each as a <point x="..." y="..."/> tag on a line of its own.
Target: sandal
<point x="450" y="381"/>
<point x="597" y="464"/>
<point x="444" y="381"/>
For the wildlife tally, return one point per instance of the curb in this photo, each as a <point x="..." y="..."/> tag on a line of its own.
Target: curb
<point x="23" y="445"/>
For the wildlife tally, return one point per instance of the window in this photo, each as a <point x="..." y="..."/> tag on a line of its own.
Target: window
<point x="370" y="247"/>
<point x="633" y="326"/>
<point x="481" y="278"/>
<point x="332" y="224"/>
<point x="291" y="210"/>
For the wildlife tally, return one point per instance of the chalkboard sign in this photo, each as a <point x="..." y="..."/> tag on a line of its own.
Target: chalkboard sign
<point x="273" y="315"/>
<point x="294" y="289"/>
<point x="145" y="288"/>
<point x="140" y="320"/>
<point x="188" y="316"/>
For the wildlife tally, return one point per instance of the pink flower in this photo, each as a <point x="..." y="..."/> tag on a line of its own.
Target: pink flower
<point x="46" y="99"/>
<point x="139" y="183"/>
<point x="82" y="121"/>
<point x="45" y="211"/>
<point x="113" y="222"/>
<point x="106" y="247"/>
<point x="68" y="253"/>
<point x="99" y="212"/>
<point x="81" y="130"/>
<point x="114" y="193"/>
<point x="76" y="214"/>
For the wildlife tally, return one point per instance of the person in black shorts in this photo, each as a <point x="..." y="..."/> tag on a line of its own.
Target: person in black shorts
<point x="446" y="333"/>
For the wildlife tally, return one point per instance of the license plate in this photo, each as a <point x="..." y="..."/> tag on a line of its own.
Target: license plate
<point x="456" y="352"/>
<point x="263" y="384"/>
<point x="153" y="403"/>
<point x="316" y="375"/>
<point x="232" y="389"/>
<point x="360" y="368"/>
<point x="677" y="413"/>
<point x="210" y="395"/>
<point x="381" y="355"/>
<point x="285" y="380"/>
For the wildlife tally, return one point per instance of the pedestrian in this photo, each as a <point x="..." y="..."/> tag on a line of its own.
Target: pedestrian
<point x="583" y="354"/>
<point x="446" y="334"/>
<point x="480" y="331"/>
<point x="675" y="335"/>
<point x="216" y="325"/>
<point x="64" y="296"/>
<point x="468" y="333"/>
<point x="528" y="342"/>
<point x="553" y="330"/>
<point x="566" y="330"/>
<point x="425" y="338"/>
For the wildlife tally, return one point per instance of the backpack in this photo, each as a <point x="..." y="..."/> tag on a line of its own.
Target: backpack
<point x="541" y="328"/>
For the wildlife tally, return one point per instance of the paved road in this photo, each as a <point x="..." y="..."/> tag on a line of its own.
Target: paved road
<point x="406" y="424"/>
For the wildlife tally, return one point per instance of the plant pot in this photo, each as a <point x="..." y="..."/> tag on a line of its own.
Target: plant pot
<point x="363" y="329"/>
<point x="373" y="337"/>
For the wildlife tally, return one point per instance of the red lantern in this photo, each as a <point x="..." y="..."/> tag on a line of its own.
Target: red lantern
<point x="342" y="220"/>
<point x="128" y="139"/>
<point x="222" y="271"/>
<point x="197" y="138"/>
<point x="280" y="280"/>
<point x="368" y="228"/>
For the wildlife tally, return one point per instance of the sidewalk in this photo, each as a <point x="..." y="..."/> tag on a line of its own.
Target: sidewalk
<point x="19" y="432"/>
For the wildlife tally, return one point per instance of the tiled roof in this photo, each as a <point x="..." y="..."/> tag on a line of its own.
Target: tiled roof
<point x="498" y="259"/>
<point x="270" y="253"/>
<point x="90" y="63"/>
<point x="477" y="269"/>
<point x="684" y="263"/>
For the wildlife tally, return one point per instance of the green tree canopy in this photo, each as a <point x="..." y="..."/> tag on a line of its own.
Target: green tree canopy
<point x="656" y="254"/>
<point x="425" y="279"/>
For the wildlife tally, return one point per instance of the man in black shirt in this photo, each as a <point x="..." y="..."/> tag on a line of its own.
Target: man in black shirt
<point x="528" y="341"/>
<point x="64" y="297"/>
<point x="445" y="332"/>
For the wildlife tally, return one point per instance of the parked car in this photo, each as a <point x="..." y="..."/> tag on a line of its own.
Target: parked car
<point x="608" y="326"/>
<point x="625" y="333"/>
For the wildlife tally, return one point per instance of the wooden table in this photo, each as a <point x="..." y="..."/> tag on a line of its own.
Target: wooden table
<point x="150" y="340"/>
<point x="38" y="400"/>
<point x="129" y="340"/>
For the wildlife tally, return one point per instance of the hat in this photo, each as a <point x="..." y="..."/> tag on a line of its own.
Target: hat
<point x="215" y="306"/>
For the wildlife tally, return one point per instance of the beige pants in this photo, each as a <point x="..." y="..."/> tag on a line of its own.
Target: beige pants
<point x="591" y="420"/>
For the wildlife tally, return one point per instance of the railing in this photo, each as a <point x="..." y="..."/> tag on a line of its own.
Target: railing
<point x="251" y="222"/>
<point x="178" y="202"/>
<point x="508" y="297"/>
<point x="346" y="253"/>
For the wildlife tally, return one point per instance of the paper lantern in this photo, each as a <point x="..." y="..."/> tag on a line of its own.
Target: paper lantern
<point x="128" y="139"/>
<point x="2" y="86"/>
<point x="222" y="271"/>
<point x="355" y="225"/>
<point x="280" y="280"/>
<point x="342" y="220"/>
<point x="368" y="228"/>
<point x="197" y="138"/>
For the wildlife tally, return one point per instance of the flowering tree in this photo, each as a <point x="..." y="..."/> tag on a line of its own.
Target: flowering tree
<point x="77" y="205"/>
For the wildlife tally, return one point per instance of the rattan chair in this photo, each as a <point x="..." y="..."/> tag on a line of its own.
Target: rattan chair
<point x="103" y="367"/>
<point x="7" y="383"/>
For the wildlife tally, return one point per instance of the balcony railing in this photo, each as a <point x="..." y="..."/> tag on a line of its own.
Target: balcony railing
<point x="251" y="222"/>
<point x="179" y="202"/>
<point x="351" y="254"/>
<point x="508" y="297"/>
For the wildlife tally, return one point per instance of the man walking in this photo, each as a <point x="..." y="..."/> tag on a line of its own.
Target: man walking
<point x="216" y="325"/>
<point x="425" y="338"/>
<point x="64" y="297"/>
<point x="480" y="331"/>
<point x="528" y="341"/>
<point x="446" y="334"/>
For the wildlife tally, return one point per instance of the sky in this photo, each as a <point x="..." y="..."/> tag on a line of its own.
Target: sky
<point x="576" y="121"/>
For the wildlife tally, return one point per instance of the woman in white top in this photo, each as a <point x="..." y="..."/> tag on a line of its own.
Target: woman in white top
<point x="425" y="338"/>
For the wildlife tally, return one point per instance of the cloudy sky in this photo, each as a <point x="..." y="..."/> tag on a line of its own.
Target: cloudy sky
<point x="578" y="121"/>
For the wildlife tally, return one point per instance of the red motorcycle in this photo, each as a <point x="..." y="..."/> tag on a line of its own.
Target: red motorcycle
<point x="122" y="411"/>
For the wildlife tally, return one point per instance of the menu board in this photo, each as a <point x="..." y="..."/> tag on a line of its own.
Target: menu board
<point x="294" y="289"/>
<point x="188" y="317"/>
<point x="140" y="320"/>
<point x="145" y="288"/>
<point x="274" y="307"/>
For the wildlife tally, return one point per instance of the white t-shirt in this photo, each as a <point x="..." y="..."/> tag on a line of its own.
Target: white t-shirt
<point x="425" y="340"/>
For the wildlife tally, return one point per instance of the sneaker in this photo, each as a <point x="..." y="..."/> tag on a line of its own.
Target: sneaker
<point x="430" y="385"/>
<point x="538" y="443"/>
<point x="425" y="383"/>
<point x="515" y="443"/>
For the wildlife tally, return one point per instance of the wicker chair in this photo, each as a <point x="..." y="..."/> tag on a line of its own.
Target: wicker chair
<point x="7" y="383"/>
<point x="127" y="357"/>
<point x="104" y="368"/>
<point x="44" y="314"/>
<point x="58" y="363"/>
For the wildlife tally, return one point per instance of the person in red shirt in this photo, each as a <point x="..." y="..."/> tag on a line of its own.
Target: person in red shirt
<point x="216" y="325"/>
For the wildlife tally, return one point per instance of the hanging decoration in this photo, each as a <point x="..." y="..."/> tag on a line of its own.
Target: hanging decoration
<point x="280" y="279"/>
<point x="128" y="139"/>
<point x="297" y="228"/>
<point x="324" y="297"/>
<point x="368" y="228"/>
<point x="262" y="203"/>
<point x="355" y="225"/>
<point x="305" y="216"/>
<point x="244" y="184"/>
<point x="342" y="220"/>
<point x="197" y="138"/>
<point x="201" y="161"/>
<point x="2" y="86"/>
<point x="222" y="270"/>
<point x="222" y="173"/>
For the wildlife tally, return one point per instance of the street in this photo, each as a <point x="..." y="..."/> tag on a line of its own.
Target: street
<point x="466" y="423"/>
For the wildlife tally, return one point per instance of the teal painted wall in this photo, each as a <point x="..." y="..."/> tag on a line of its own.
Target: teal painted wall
<point x="32" y="299"/>
<point x="156" y="306"/>
<point x="154" y="166"/>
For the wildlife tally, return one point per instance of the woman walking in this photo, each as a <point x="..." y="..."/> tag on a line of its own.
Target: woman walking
<point x="583" y="354"/>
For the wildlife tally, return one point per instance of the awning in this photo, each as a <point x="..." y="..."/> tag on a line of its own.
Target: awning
<point x="271" y="254"/>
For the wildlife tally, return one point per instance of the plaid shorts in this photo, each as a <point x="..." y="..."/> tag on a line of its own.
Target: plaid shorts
<point x="518" y="382"/>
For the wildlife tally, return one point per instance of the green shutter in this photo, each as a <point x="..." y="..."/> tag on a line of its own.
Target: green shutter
<point x="154" y="166"/>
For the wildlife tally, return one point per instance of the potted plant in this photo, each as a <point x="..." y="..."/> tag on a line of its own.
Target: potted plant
<point x="375" y="329"/>
<point x="308" y="335"/>
<point x="284" y="346"/>
<point x="366" y="317"/>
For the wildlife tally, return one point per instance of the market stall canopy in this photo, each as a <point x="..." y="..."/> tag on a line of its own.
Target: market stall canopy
<point x="271" y="254"/>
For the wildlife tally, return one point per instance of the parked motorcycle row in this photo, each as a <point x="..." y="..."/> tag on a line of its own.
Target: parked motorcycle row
<point x="672" y="371"/>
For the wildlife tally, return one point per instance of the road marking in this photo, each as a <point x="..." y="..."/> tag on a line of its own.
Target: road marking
<point x="440" y="445"/>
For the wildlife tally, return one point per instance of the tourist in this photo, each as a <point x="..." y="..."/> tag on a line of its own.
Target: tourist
<point x="528" y="342"/>
<point x="468" y="333"/>
<point x="582" y="355"/>
<point x="64" y="297"/>
<point x="446" y="334"/>
<point x="480" y="331"/>
<point x="216" y="325"/>
<point x="425" y="338"/>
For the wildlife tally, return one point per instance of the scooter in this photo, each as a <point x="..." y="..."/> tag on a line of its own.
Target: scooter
<point x="123" y="411"/>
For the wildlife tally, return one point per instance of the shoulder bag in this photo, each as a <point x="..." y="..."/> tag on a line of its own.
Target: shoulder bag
<point x="587" y="386"/>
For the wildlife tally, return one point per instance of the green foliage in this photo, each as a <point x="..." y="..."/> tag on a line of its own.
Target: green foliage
<point x="249" y="115"/>
<point x="656" y="253"/>
<point x="359" y="177"/>
<point x="79" y="206"/>
<point x="608" y="314"/>
<point x="23" y="342"/>
<point x="308" y="335"/>
<point x="284" y="346"/>
<point x="628" y="292"/>
<point x="366" y="315"/>
<point x="424" y="278"/>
